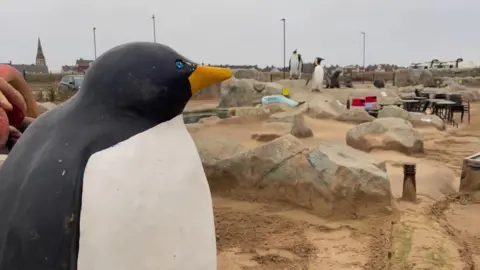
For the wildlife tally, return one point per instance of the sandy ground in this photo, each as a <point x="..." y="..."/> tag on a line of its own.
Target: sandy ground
<point x="440" y="231"/>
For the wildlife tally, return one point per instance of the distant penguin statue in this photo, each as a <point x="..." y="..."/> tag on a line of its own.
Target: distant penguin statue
<point x="318" y="74"/>
<point x="111" y="179"/>
<point x="295" y="66"/>
<point x="300" y="66"/>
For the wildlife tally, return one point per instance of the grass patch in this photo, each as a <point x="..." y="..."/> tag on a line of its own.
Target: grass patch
<point x="440" y="258"/>
<point x="402" y="244"/>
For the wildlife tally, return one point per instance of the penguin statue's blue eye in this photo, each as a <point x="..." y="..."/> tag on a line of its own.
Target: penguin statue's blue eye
<point x="179" y="64"/>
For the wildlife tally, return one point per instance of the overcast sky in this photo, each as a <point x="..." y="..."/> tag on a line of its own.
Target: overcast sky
<point x="245" y="32"/>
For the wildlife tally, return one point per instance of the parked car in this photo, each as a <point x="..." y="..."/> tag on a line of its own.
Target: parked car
<point x="71" y="82"/>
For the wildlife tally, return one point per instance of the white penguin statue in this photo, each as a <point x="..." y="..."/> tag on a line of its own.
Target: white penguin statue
<point x="295" y="66"/>
<point x="318" y="75"/>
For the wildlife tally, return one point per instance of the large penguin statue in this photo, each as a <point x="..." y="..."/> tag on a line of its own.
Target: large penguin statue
<point x="111" y="179"/>
<point x="318" y="74"/>
<point x="295" y="66"/>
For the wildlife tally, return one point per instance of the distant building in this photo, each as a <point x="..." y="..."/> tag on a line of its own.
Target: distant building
<point x="351" y="68"/>
<point x="40" y="66"/>
<point x="82" y="65"/>
<point x="68" y="69"/>
<point x="40" y="59"/>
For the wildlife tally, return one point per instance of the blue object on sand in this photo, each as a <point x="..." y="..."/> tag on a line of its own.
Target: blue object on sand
<point x="279" y="99"/>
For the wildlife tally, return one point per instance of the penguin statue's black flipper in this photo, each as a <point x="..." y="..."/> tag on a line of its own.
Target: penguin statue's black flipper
<point x="129" y="90"/>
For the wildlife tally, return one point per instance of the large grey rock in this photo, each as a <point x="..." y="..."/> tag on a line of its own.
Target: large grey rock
<point x="211" y="92"/>
<point x="246" y="92"/>
<point x="386" y="134"/>
<point x="326" y="109"/>
<point x="214" y="149"/>
<point x="414" y="77"/>
<point x="355" y="116"/>
<point x="332" y="181"/>
<point x="249" y="73"/>
<point x="357" y="182"/>
<point x="300" y="128"/>
<point x="286" y="117"/>
<point x="393" y="111"/>
<point x="276" y="107"/>
<point x="415" y="118"/>
<point x="248" y="168"/>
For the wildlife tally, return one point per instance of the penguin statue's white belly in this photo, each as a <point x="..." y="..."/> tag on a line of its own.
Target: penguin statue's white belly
<point x="318" y="76"/>
<point x="146" y="205"/>
<point x="294" y="67"/>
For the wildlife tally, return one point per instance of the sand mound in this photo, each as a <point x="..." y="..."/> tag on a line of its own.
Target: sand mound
<point x="277" y="235"/>
<point x="265" y="242"/>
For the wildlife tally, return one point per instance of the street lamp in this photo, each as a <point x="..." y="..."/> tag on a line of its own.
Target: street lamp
<point x="154" y="31"/>
<point x="364" y="36"/>
<point x="95" y="42"/>
<point x="284" y="45"/>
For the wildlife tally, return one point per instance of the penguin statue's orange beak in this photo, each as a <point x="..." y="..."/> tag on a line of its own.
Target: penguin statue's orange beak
<point x="204" y="76"/>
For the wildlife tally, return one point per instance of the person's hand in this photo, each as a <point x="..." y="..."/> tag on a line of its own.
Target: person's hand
<point x="10" y="97"/>
<point x="15" y="92"/>
<point x="17" y="105"/>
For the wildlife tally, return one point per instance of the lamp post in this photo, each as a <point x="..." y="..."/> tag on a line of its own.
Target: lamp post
<point x="284" y="45"/>
<point x="364" y="37"/>
<point x="154" y="31"/>
<point x="95" y="42"/>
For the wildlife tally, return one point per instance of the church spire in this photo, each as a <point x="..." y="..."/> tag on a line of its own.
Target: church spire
<point x="40" y="59"/>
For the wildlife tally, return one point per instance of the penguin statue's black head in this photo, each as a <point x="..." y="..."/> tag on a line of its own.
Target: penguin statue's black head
<point x="148" y="79"/>
<point x="317" y="61"/>
<point x="295" y="52"/>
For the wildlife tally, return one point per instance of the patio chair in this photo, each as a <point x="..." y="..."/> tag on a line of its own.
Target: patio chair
<point x="460" y="106"/>
<point x="439" y="109"/>
<point x="423" y="105"/>
<point x="420" y="93"/>
<point x="417" y="92"/>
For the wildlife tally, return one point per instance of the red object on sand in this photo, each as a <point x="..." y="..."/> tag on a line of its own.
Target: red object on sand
<point x="370" y="102"/>
<point x="370" y="99"/>
<point x="358" y="102"/>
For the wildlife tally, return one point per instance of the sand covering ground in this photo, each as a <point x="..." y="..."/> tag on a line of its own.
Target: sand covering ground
<point x="435" y="233"/>
<point x="438" y="232"/>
